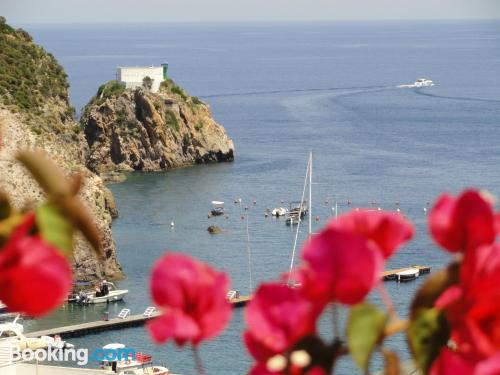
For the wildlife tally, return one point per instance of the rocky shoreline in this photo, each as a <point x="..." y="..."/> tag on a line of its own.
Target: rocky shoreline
<point x="137" y="130"/>
<point x="120" y="130"/>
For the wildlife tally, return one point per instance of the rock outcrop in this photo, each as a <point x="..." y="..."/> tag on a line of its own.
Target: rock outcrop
<point x="35" y="113"/>
<point x="139" y="130"/>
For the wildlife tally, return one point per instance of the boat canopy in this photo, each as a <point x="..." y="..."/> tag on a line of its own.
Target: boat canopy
<point x="217" y="203"/>
<point x="113" y="346"/>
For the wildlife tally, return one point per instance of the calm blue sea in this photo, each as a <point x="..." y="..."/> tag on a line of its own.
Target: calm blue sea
<point x="282" y="90"/>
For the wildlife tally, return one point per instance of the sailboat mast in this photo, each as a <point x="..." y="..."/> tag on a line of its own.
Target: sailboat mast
<point x="298" y="223"/>
<point x="310" y="191"/>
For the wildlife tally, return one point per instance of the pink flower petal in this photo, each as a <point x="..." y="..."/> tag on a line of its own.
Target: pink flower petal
<point x="463" y="223"/>
<point x="173" y="324"/>
<point x="388" y="230"/>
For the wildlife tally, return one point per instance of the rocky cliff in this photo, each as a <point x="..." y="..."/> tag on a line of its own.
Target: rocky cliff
<point x="139" y="130"/>
<point x="35" y="113"/>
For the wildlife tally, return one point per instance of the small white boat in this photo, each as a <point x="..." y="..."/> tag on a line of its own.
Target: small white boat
<point x="140" y="364"/>
<point x="280" y="211"/>
<point x="423" y="82"/>
<point x="409" y="274"/>
<point x="232" y="294"/>
<point x="3" y="307"/>
<point x="218" y="208"/>
<point x="107" y="293"/>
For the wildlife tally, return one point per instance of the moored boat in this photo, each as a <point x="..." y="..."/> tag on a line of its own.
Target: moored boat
<point x="407" y="275"/>
<point x="217" y="208"/>
<point x="131" y="364"/>
<point x="107" y="293"/>
<point x="279" y="211"/>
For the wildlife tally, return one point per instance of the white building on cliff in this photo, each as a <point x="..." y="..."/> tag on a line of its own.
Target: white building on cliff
<point x="133" y="76"/>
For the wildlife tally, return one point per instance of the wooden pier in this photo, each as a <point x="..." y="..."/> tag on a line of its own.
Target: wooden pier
<point x="111" y="324"/>
<point x="392" y="274"/>
<point x="138" y="320"/>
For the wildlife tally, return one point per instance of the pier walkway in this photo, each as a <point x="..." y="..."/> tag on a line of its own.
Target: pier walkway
<point x="138" y="320"/>
<point x="392" y="274"/>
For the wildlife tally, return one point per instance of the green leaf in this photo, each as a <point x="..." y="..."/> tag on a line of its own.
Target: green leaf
<point x="427" y="334"/>
<point x="433" y="287"/>
<point x="55" y="228"/>
<point x="365" y="329"/>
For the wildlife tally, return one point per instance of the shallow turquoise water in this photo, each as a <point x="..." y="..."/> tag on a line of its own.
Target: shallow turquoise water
<point x="280" y="91"/>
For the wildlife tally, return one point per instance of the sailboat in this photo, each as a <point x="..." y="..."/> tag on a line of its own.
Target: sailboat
<point x="308" y="179"/>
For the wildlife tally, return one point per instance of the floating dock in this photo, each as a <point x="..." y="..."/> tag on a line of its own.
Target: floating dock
<point x="392" y="274"/>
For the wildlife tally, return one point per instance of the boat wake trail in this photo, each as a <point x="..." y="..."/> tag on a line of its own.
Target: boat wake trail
<point x="424" y="93"/>
<point x="288" y="91"/>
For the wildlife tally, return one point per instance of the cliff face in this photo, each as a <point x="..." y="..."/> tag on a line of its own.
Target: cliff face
<point x="140" y="130"/>
<point x="35" y="113"/>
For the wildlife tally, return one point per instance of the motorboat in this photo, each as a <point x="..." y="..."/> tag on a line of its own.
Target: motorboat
<point x="3" y="308"/>
<point x="12" y="333"/>
<point x="407" y="275"/>
<point x="423" y="82"/>
<point x="132" y="364"/>
<point x="279" y="211"/>
<point x="217" y="208"/>
<point x="107" y="293"/>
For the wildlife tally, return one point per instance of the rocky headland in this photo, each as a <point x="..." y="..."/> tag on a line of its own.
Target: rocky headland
<point x="135" y="129"/>
<point x="35" y="113"/>
<point x="120" y="130"/>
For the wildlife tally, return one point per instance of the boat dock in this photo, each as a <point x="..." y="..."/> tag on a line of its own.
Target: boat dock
<point x="138" y="320"/>
<point x="392" y="274"/>
<point x="111" y="324"/>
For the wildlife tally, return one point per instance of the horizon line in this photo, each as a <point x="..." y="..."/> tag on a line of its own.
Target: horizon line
<point x="252" y="21"/>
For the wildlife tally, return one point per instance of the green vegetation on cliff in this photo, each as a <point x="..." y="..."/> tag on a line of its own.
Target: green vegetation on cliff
<point x="32" y="82"/>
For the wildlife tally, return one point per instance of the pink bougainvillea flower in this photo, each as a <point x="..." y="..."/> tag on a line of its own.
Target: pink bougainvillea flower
<point x="344" y="261"/>
<point x="459" y="224"/>
<point x="451" y="363"/>
<point x="388" y="230"/>
<point x="192" y="297"/>
<point x="277" y="317"/>
<point x="34" y="277"/>
<point x="473" y="306"/>
<point x="339" y="266"/>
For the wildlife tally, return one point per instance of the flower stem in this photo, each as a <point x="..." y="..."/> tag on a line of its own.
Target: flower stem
<point x="387" y="302"/>
<point x="197" y="360"/>
<point x="396" y="326"/>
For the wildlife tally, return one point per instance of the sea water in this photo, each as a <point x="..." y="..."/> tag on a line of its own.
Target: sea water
<point x="281" y="91"/>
